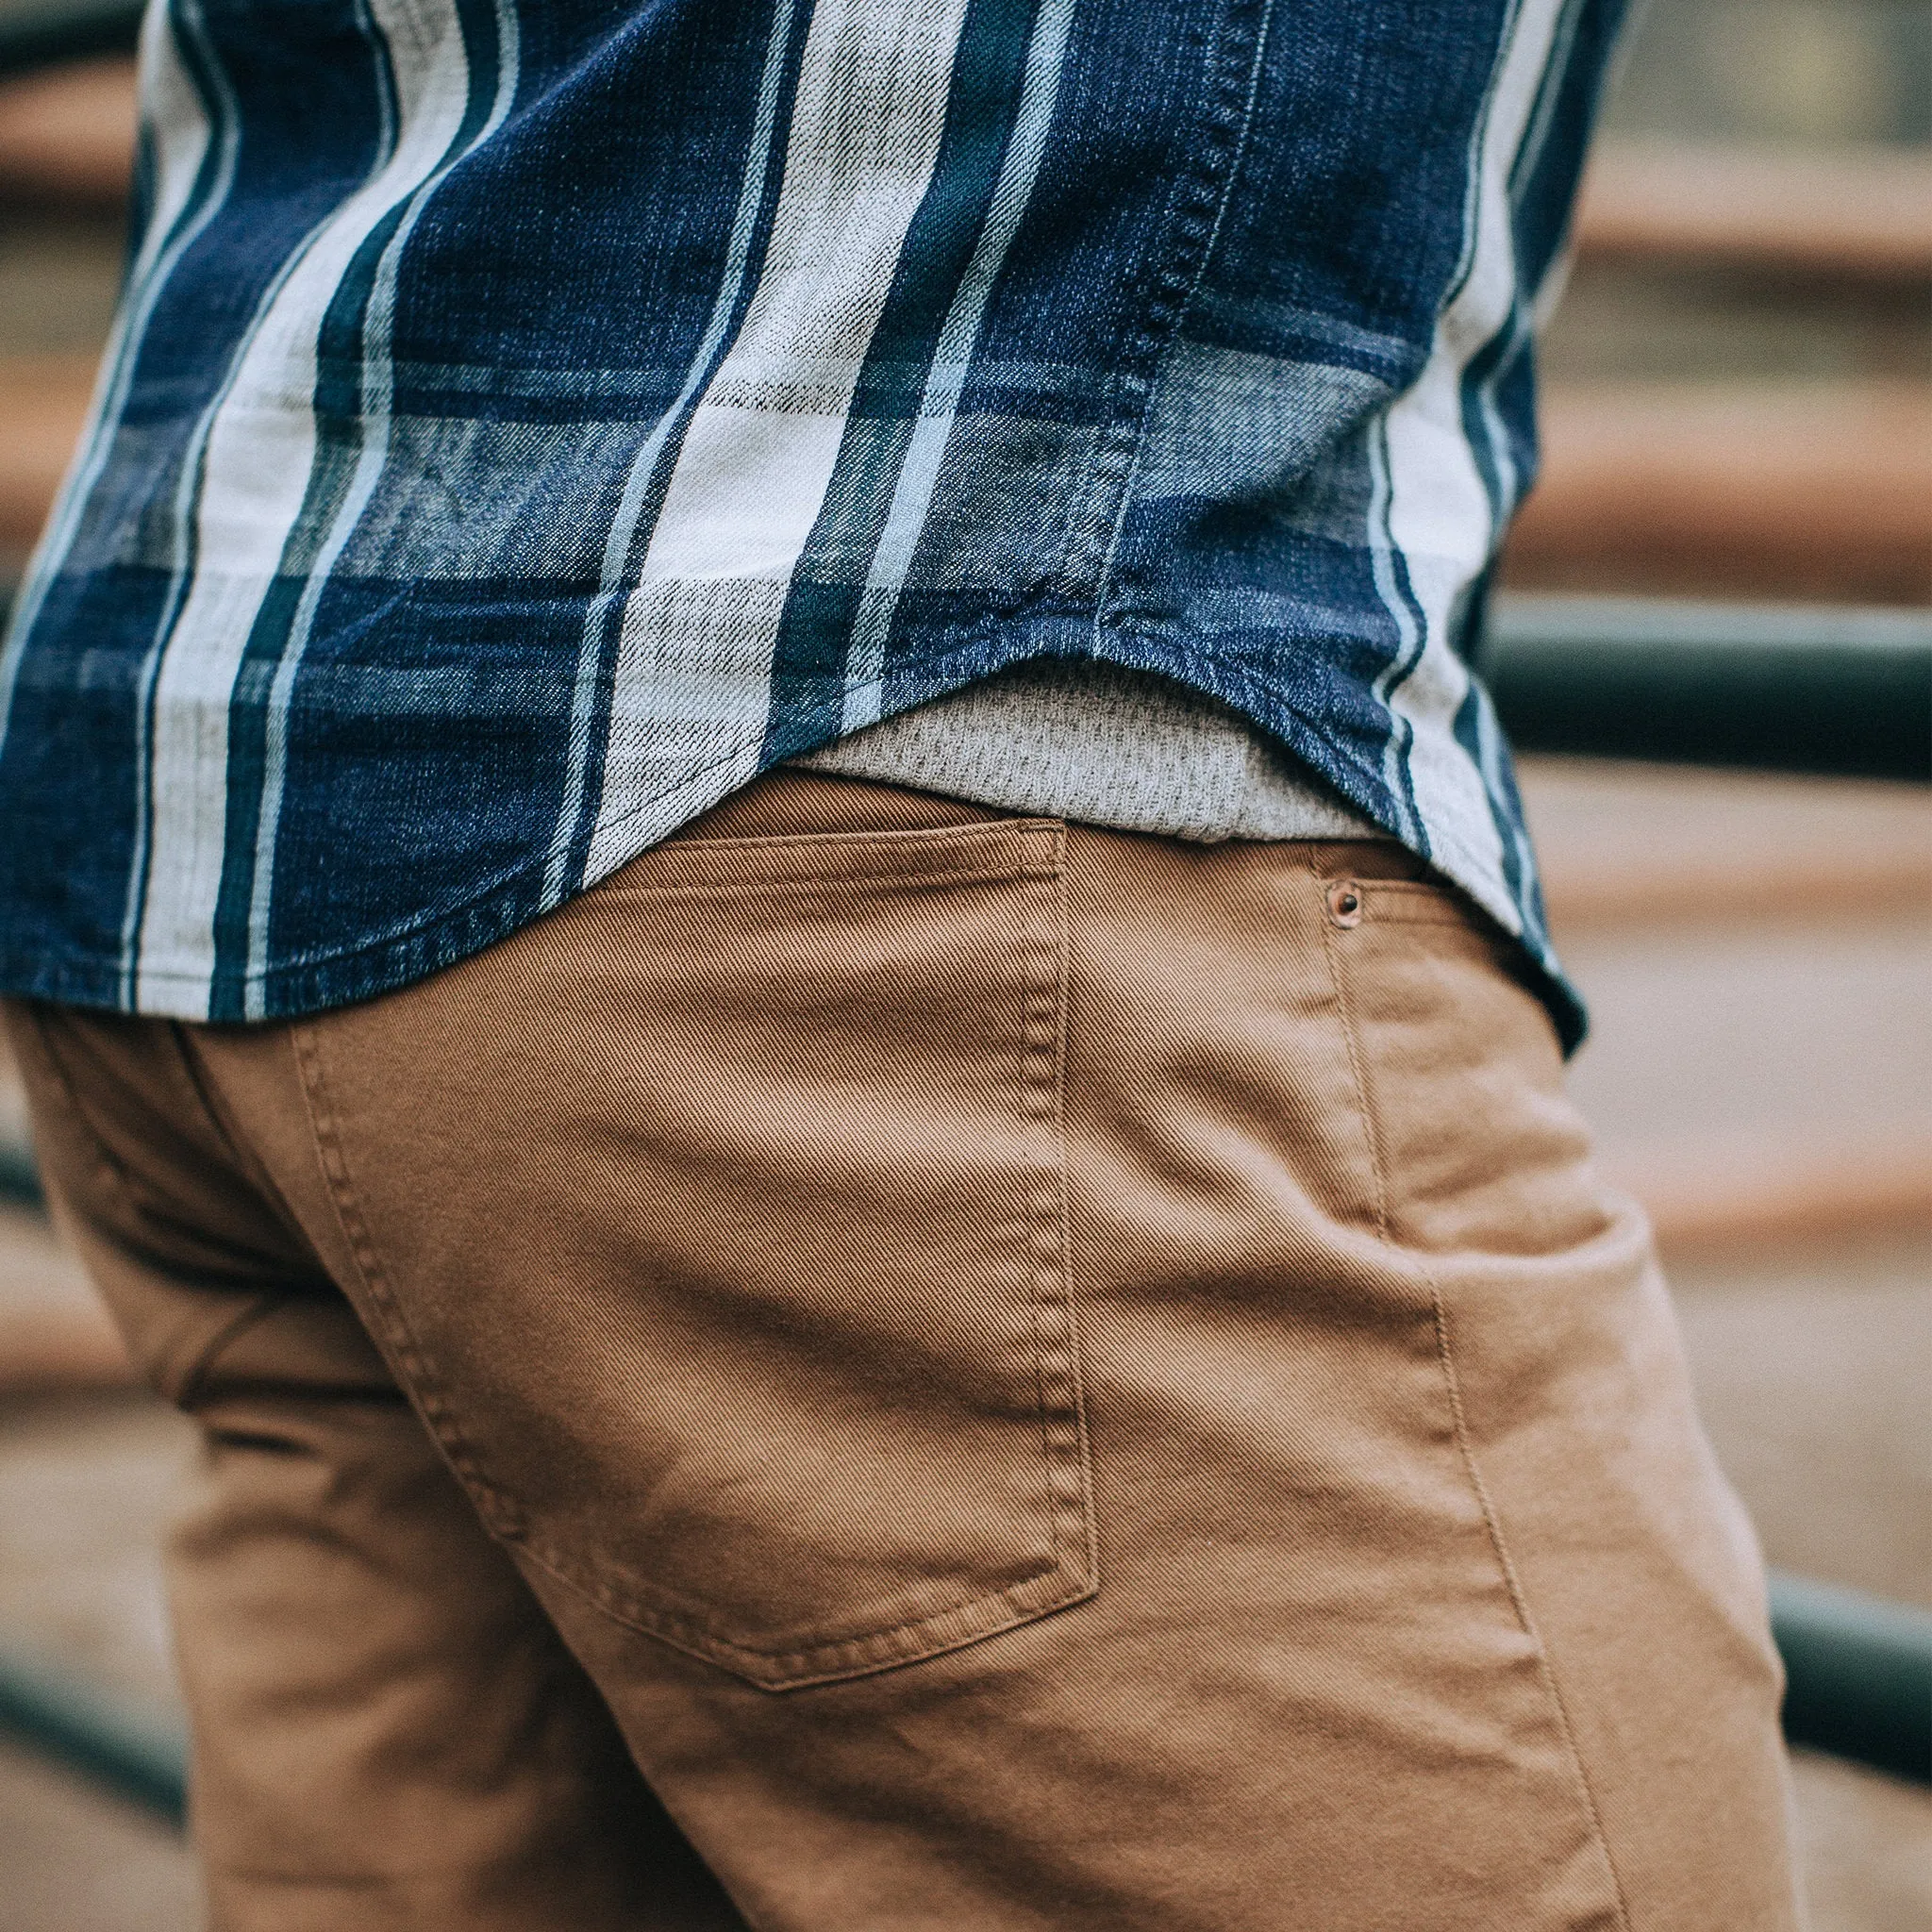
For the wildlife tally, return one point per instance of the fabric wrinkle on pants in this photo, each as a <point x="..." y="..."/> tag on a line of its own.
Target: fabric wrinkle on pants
<point x="900" y="1370"/>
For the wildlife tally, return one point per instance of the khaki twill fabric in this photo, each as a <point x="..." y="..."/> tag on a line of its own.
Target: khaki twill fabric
<point x="960" y="1374"/>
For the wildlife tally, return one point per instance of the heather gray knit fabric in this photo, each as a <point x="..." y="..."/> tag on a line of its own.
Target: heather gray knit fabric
<point x="1102" y="746"/>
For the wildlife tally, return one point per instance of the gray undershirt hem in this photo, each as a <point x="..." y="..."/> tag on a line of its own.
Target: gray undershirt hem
<point x="1102" y="745"/>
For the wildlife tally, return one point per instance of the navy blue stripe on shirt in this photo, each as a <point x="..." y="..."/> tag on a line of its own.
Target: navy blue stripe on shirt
<point x="525" y="424"/>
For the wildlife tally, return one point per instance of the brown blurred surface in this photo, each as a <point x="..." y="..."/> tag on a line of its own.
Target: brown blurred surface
<point x="53" y="1333"/>
<point x="67" y="136"/>
<point x="1811" y="1364"/>
<point x="42" y="403"/>
<point x="1626" y="846"/>
<point x="74" y="1860"/>
<point x="1864" y="1846"/>
<point x="1747" y="490"/>
<point x="84" y="1485"/>
<point x="1849" y="211"/>
<point x="1756" y="952"/>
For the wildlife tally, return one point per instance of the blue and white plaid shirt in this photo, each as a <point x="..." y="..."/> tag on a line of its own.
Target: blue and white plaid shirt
<point x="528" y="420"/>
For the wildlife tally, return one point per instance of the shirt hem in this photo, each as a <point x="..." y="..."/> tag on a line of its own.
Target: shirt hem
<point x="439" y="940"/>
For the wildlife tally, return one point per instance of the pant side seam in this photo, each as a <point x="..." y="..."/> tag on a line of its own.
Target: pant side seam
<point x="1546" y="1668"/>
<point x="1053" y="1283"/>
<point x="1465" y="1449"/>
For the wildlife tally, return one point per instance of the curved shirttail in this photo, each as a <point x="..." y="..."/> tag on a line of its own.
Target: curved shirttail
<point x="492" y="472"/>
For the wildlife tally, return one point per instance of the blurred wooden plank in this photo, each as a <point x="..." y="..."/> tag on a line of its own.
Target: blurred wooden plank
<point x="43" y="404"/>
<point x="1622" y="894"/>
<point x="1862" y="212"/>
<point x="1787" y="490"/>
<point x="55" y="1335"/>
<point x="67" y="135"/>
<point x="1627" y="847"/>
<point x="46" y="1352"/>
<point x="1706" y="1198"/>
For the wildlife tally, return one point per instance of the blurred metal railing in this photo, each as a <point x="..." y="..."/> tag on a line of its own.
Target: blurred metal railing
<point x="1859" y="1675"/>
<point x="45" y="33"/>
<point x="1790" y="689"/>
<point x="19" y="1181"/>
<point x="139" y="1755"/>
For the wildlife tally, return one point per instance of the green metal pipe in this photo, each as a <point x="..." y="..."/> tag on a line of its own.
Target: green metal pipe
<point x="1783" y="688"/>
<point x="20" y="1180"/>
<point x="1860" y="1673"/>
<point x="140" y="1755"/>
<point x="47" y="32"/>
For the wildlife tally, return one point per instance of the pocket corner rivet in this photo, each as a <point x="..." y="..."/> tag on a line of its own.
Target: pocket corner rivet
<point x="1346" y="903"/>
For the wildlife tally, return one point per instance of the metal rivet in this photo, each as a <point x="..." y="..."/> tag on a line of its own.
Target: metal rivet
<point x="1346" y="903"/>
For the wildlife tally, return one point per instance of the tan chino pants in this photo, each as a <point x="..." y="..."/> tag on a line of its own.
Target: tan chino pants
<point x="895" y="1370"/>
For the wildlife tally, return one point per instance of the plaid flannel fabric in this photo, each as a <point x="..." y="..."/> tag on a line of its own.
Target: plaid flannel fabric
<point x="527" y="422"/>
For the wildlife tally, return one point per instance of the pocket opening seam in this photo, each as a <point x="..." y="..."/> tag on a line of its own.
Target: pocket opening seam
<point x="821" y="883"/>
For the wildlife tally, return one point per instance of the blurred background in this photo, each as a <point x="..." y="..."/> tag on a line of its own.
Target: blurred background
<point x="1738" y="410"/>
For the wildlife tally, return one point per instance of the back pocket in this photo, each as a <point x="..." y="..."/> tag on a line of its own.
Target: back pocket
<point x="719" y="1222"/>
